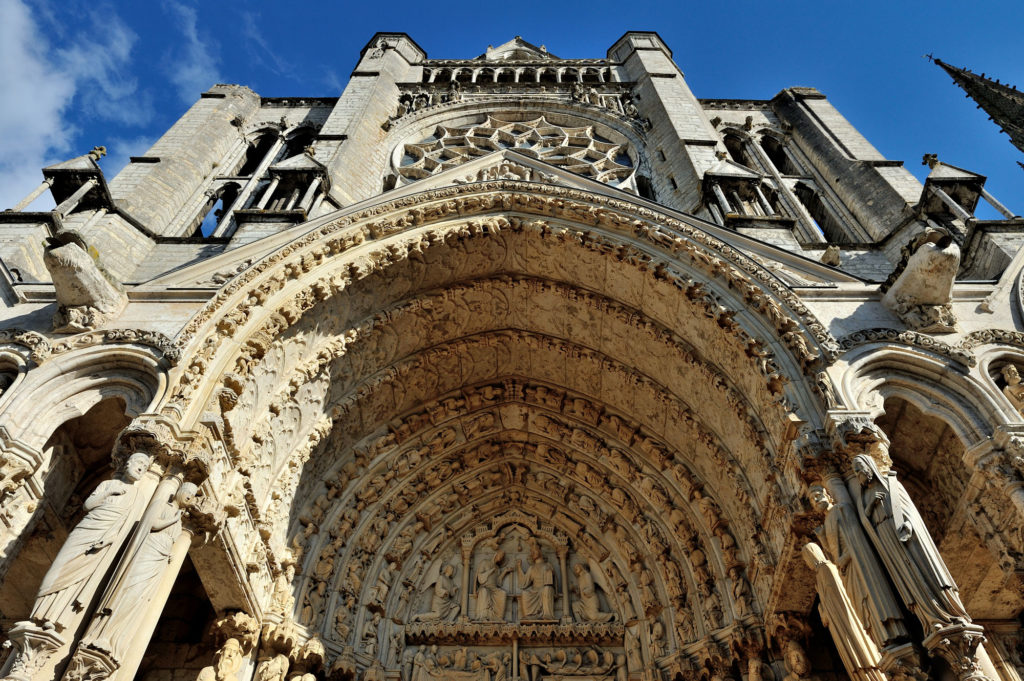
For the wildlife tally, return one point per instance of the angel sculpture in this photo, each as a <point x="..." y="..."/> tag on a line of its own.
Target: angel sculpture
<point x="588" y="607"/>
<point x="443" y="607"/>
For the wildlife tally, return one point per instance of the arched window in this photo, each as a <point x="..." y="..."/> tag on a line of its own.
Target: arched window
<point x="825" y="220"/>
<point x="298" y="141"/>
<point x="776" y="153"/>
<point x="220" y="202"/>
<point x="258" y="148"/>
<point x="735" y="146"/>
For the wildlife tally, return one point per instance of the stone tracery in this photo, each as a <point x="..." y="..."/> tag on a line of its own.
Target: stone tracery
<point x="580" y="150"/>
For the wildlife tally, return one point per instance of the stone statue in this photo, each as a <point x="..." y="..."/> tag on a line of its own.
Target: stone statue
<point x="443" y="606"/>
<point x="862" y="574"/>
<point x="490" y="597"/>
<point x="379" y="591"/>
<point x="114" y="628"/>
<point x="537" y="598"/>
<point x="88" y="546"/>
<point x="906" y="548"/>
<point x="797" y="665"/>
<point x="424" y="664"/>
<point x="1014" y="389"/>
<point x="588" y="607"/>
<point x="370" y="635"/>
<point x="273" y="669"/>
<point x="226" y="663"/>
<point x="857" y="650"/>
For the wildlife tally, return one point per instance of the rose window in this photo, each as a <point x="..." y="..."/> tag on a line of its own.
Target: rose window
<point x="580" y="150"/>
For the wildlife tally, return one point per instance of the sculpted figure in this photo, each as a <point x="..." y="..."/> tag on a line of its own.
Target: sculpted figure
<point x="379" y="591"/>
<point x="273" y="669"/>
<point x="226" y="663"/>
<point x="443" y="606"/>
<point x="537" y="598"/>
<point x="370" y="635"/>
<point x="88" y="546"/>
<point x="797" y="665"/>
<point x="862" y="575"/>
<point x="906" y="547"/>
<point x="490" y="597"/>
<point x="1014" y="389"/>
<point x="857" y="650"/>
<point x="127" y="606"/>
<point x="588" y="607"/>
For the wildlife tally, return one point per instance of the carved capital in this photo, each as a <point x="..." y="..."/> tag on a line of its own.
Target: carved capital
<point x="855" y="432"/>
<point x="90" y="664"/>
<point x="309" y="657"/>
<point x="168" y="444"/>
<point x="33" y="647"/>
<point x="239" y="626"/>
<point x="902" y="663"/>
<point x="279" y="638"/>
<point x="958" y="646"/>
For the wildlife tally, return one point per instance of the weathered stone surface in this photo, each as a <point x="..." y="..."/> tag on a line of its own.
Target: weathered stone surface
<point x="513" y="368"/>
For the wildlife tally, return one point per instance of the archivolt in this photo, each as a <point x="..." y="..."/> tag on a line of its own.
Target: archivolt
<point x="616" y="249"/>
<point x="406" y="496"/>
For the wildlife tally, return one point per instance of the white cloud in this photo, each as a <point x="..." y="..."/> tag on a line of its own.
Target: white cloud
<point x="193" y="69"/>
<point x="39" y="85"/>
<point x="35" y="93"/>
<point x="258" y="48"/>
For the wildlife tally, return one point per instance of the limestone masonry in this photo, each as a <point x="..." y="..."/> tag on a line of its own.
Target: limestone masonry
<point x="511" y="368"/>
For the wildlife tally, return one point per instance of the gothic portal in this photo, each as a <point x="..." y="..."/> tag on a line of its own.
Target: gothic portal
<point x="512" y="368"/>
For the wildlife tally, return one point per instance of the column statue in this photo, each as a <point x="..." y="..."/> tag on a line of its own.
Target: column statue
<point x="82" y="559"/>
<point x="857" y="650"/>
<point x="227" y="661"/>
<point x="115" y="625"/>
<point x="906" y="548"/>
<point x="862" y="574"/>
<point x="537" y="598"/>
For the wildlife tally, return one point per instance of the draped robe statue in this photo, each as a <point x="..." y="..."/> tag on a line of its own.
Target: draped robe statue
<point x="90" y="545"/>
<point x="863" y="576"/>
<point x="118" y="621"/>
<point x="443" y="607"/>
<point x="490" y="597"/>
<point x="588" y="607"/>
<point x="906" y="548"/>
<point x="857" y="650"/>
<point x="537" y="598"/>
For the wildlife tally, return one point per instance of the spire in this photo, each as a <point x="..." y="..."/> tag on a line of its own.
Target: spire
<point x="1003" y="103"/>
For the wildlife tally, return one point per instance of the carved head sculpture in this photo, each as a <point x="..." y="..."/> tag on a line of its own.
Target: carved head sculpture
<point x="136" y="466"/>
<point x="821" y="500"/>
<point x="577" y="569"/>
<point x="865" y="468"/>
<point x="186" y="494"/>
<point x="448" y="570"/>
<point x="499" y="556"/>
<point x="1011" y="375"/>
<point x="229" y="658"/>
<point x="796" y="659"/>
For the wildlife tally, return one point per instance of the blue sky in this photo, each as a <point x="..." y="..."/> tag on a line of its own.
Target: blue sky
<point x="75" y="74"/>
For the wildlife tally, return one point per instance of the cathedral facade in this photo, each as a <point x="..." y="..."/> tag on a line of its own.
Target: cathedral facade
<point x="511" y="368"/>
